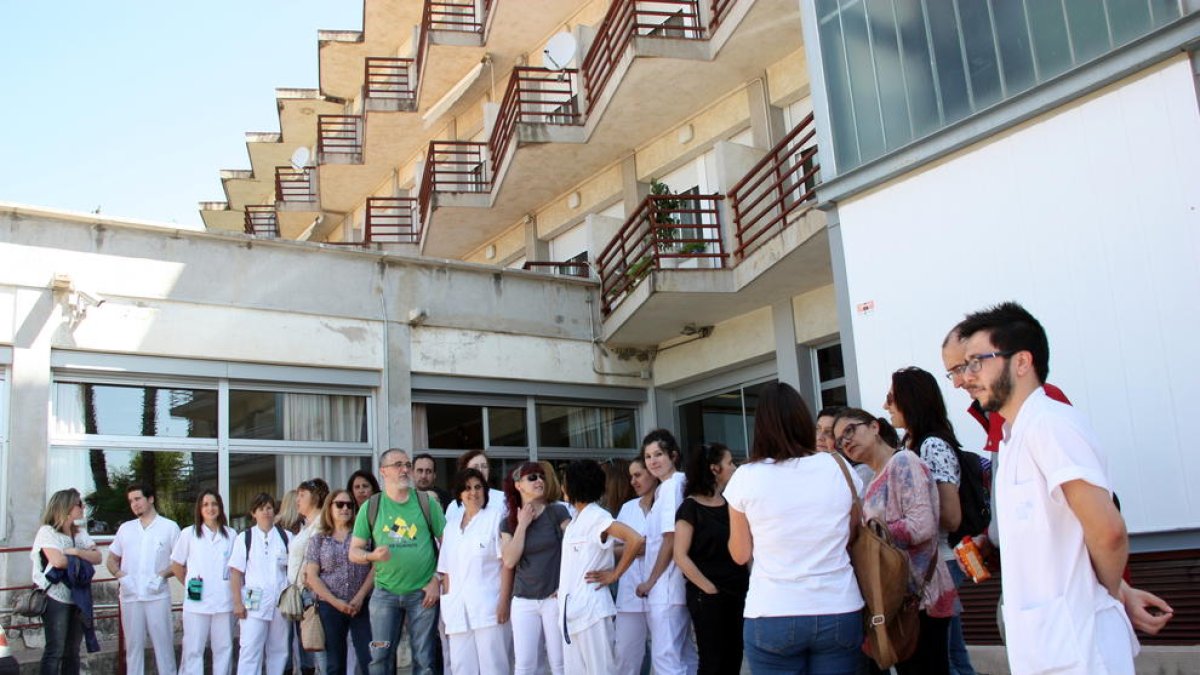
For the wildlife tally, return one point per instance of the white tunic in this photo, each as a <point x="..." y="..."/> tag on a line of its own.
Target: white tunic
<point x="144" y="552"/>
<point x="265" y="568"/>
<point x="585" y="549"/>
<point x="206" y="558"/>
<point x="471" y="558"/>
<point x="631" y="514"/>
<point x="669" y="589"/>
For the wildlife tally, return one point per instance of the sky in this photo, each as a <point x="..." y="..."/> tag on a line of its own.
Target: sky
<point x="132" y="107"/>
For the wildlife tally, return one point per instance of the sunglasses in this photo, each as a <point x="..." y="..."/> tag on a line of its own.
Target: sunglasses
<point x="533" y="477"/>
<point x="343" y="505"/>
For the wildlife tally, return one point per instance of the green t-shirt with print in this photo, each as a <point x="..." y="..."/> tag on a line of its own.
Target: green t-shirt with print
<point x="401" y="527"/>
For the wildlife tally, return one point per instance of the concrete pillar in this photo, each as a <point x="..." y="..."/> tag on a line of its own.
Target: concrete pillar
<point x="837" y="255"/>
<point x="632" y="191"/>
<point x="536" y="248"/>
<point x="766" y="121"/>
<point x="787" y="359"/>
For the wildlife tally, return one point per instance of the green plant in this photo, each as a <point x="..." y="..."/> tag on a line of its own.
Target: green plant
<point x="663" y="215"/>
<point x="694" y="247"/>
<point x="638" y="269"/>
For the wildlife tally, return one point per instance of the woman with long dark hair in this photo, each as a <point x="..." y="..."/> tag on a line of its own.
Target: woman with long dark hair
<point x="57" y="538"/>
<point x="342" y="588"/>
<point x="904" y="498"/>
<point x="531" y="544"/>
<point x="790" y="510"/>
<point x="361" y="485"/>
<point x="716" y="585"/>
<point x="200" y="560"/>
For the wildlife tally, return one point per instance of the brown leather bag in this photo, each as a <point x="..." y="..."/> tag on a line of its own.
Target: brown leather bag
<point x="891" y="621"/>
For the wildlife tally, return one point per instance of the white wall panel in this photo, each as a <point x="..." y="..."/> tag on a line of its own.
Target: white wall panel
<point x="1090" y="217"/>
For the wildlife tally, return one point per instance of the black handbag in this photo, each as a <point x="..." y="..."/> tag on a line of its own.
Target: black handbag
<point x="31" y="603"/>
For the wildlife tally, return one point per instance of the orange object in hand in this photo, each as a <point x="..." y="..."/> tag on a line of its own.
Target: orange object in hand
<point x="972" y="560"/>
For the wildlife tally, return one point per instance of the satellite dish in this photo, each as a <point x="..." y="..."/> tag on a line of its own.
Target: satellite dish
<point x="300" y="158"/>
<point x="560" y="51"/>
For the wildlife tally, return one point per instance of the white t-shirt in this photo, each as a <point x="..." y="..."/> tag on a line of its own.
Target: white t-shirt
<point x="943" y="464"/>
<point x="471" y="559"/>
<point x="48" y="537"/>
<point x="496" y="502"/>
<point x="1056" y="614"/>
<point x="206" y="558"/>
<point x="265" y="567"/>
<point x="799" y="516"/>
<point x="297" y="548"/>
<point x="669" y="589"/>
<point x="631" y="514"/>
<point x="145" y="551"/>
<point x="585" y="549"/>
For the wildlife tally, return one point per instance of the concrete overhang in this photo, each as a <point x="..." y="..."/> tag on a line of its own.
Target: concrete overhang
<point x="387" y="26"/>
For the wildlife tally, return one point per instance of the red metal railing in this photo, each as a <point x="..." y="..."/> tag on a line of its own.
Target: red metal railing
<point x="534" y="96"/>
<point x="453" y="166"/>
<point x="625" y="19"/>
<point x="339" y="134"/>
<point x="295" y="185"/>
<point x="783" y="181"/>
<point x="392" y="220"/>
<point x="456" y="15"/>
<point x="718" y="10"/>
<point x="664" y="228"/>
<point x="565" y="269"/>
<point x="262" y="221"/>
<point x="391" y="79"/>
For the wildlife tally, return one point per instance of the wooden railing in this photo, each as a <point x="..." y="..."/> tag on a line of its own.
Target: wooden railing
<point x="563" y="269"/>
<point x="664" y="231"/>
<point x="391" y="79"/>
<point x="625" y="19"/>
<point x="262" y="221"/>
<point x="295" y="185"/>
<point x="340" y="135"/>
<point x="453" y="166"/>
<point x="456" y="15"/>
<point x="392" y="220"/>
<point x="718" y="10"/>
<point x="534" y="96"/>
<point x="783" y="181"/>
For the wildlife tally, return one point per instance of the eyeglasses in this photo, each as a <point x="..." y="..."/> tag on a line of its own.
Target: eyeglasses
<point x="848" y="433"/>
<point x="343" y="505"/>
<point x="535" y="477"/>
<point x="974" y="363"/>
<point x="397" y="465"/>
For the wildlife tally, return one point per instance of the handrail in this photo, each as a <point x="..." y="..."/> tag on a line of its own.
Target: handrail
<point x="456" y="15"/>
<point x="453" y="166"/>
<point x="718" y="10"/>
<point x="392" y="220"/>
<point x="662" y="228"/>
<point x="294" y="185"/>
<point x="784" y="180"/>
<point x="534" y="96"/>
<point x="339" y="134"/>
<point x="626" y="19"/>
<point x="392" y="79"/>
<point x="262" y="221"/>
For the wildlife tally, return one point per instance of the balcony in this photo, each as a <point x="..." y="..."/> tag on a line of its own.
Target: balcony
<point x="453" y="168"/>
<point x="392" y="220"/>
<point x="390" y="84"/>
<point x="296" y="188"/>
<point x="460" y="16"/>
<point x="339" y="139"/>
<point x="261" y="221"/>
<point x="535" y="96"/>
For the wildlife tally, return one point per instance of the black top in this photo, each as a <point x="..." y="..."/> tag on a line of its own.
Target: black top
<point x="710" y="546"/>
<point x="537" y="571"/>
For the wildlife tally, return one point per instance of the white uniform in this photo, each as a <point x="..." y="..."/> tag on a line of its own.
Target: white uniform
<point x="632" y="624"/>
<point x="145" y="597"/>
<point x="264" y="629"/>
<point x="1057" y="616"/>
<point x="209" y="619"/>
<point x="671" y="646"/>
<point x="585" y="610"/>
<point x="471" y="559"/>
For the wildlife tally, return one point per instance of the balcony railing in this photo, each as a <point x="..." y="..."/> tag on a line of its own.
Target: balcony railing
<point x="534" y="96"/>
<point x="783" y="181"/>
<point x="718" y="10"/>
<point x="576" y="268"/>
<point x="392" y="220"/>
<point x="626" y="19"/>
<point x="339" y="135"/>
<point x="262" y="221"/>
<point x="391" y="79"/>
<point x="295" y="185"/>
<point x="454" y="166"/>
<point x="463" y="16"/>
<point x="666" y="231"/>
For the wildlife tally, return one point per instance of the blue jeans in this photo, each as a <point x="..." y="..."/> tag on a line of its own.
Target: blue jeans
<point x="960" y="660"/>
<point x="823" y="644"/>
<point x="388" y="613"/>
<point x="62" y="625"/>
<point x="337" y="626"/>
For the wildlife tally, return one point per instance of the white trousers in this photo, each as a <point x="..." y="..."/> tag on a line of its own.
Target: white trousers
<point x="591" y="650"/>
<point x="140" y="618"/>
<point x="630" y="630"/>
<point x="534" y="624"/>
<point x="483" y="651"/>
<point x="259" y="636"/>
<point x="202" y="629"/>
<point x="671" y="648"/>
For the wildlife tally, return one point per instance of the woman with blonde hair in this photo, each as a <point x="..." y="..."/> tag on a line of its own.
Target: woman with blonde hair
<point x="58" y="538"/>
<point x="288" y="516"/>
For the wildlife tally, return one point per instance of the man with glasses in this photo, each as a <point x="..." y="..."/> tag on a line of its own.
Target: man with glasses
<point x="1064" y="542"/>
<point x="401" y="543"/>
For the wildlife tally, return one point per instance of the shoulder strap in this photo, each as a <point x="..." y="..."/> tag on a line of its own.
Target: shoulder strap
<point x="423" y="502"/>
<point x="849" y="482"/>
<point x="282" y="535"/>
<point x="247" y="537"/>
<point x="372" y="516"/>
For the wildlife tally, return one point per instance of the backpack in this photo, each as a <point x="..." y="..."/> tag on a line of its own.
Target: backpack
<point x="246" y="534"/>
<point x="373" y="514"/>
<point x="973" y="497"/>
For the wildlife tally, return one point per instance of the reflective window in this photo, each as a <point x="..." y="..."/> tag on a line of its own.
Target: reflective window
<point x="127" y="410"/>
<point x="287" y="416"/>
<point x="577" y="426"/>
<point x="831" y="373"/>
<point x="275" y="474"/>
<point x="727" y="417"/>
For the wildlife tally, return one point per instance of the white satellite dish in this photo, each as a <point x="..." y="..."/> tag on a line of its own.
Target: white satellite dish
<point x="559" y="51"/>
<point x="300" y="158"/>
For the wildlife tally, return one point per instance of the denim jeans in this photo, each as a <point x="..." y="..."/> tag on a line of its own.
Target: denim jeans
<point x="337" y="627"/>
<point x="63" y="627"/>
<point x="388" y="613"/>
<point x="823" y="644"/>
<point x="960" y="660"/>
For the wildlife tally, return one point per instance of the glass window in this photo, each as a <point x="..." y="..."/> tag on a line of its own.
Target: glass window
<point x="275" y="474"/>
<point x="286" y="416"/>
<point x="455" y="427"/>
<point x="726" y="417"/>
<point x="831" y="373"/>
<point x="102" y="475"/>
<point x="506" y="426"/>
<point x="576" y="426"/>
<point x="129" y="410"/>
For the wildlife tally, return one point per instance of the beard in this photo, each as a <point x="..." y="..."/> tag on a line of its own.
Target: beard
<point x="999" y="391"/>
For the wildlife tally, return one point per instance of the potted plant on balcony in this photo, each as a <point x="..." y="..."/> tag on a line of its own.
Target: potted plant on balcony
<point x="663" y="233"/>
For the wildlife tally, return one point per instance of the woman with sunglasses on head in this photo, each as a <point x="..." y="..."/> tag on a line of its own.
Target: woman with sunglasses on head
<point x="531" y="544"/>
<point x="632" y="625"/>
<point x="904" y="497"/>
<point x="342" y="587"/>
<point x="470" y="564"/>
<point x="56" y="540"/>
<point x="200" y="560"/>
<point x="716" y="585"/>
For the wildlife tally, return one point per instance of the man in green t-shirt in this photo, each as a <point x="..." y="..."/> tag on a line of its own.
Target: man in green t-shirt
<point x="405" y="561"/>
